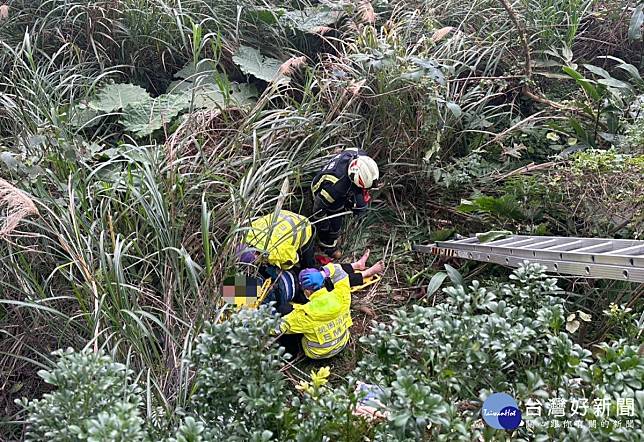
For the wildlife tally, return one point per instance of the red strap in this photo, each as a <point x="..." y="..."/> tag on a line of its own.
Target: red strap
<point x="323" y="260"/>
<point x="366" y="195"/>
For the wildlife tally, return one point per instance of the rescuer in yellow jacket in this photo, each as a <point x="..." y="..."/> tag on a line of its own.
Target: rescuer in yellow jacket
<point x="284" y="240"/>
<point x="322" y="324"/>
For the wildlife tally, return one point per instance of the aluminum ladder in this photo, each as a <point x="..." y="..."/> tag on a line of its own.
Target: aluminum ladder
<point x="619" y="259"/>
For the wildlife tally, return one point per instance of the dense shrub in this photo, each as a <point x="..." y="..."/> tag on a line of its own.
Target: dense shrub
<point x="433" y="364"/>
<point x="95" y="400"/>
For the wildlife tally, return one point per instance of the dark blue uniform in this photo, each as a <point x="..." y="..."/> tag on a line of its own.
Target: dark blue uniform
<point x="286" y="288"/>
<point x="334" y="192"/>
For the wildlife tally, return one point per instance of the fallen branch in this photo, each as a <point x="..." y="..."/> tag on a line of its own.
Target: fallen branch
<point x="529" y="168"/>
<point x="522" y="34"/>
<point x="528" y="60"/>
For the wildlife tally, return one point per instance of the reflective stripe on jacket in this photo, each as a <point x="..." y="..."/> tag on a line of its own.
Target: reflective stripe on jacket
<point x="325" y="319"/>
<point x="280" y="240"/>
<point x="332" y="188"/>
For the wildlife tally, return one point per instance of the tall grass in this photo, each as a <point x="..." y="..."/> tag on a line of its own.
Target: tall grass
<point x="132" y="239"/>
<point x="149" y="36"/>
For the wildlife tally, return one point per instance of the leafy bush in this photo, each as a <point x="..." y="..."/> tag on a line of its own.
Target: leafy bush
<point x="239" y="388"/>
<point x="95" y="400"/>
<point x="433" y="364"/>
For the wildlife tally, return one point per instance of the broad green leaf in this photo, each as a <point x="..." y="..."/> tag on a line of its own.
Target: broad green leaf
<point x="270" y="16"/>
<point x="252" y="62"/>
<point x="144" y="118"/>
<point x="454" y="276"/>
<point x="455" y="109"/>
<point x="311" y="19"/>
<point x="435" y="283"/>
<point x="205" y="86"/>
<point x="579" y="130"/>
<point x="571" y="72"/>
<point x="401" y="419"/>
<point x="83" y="116"/>
<point x="204" y="67"/>
<point x="637" y="20"/>
<point x="243" y="94"/>
<point x="430" y="69"/>
<point x="442" y="234"/>
<point x="493" y="235"/>
<point x="584" y="83"/>
<point x="621" y="64"/>
<point x="209" y="96"/>
<point x="597" y="70"/>
<point x="414" y="75"/>
<point x="632" y="70"/>
<point x="116" y="96"/>
<point x="613" y="82"/>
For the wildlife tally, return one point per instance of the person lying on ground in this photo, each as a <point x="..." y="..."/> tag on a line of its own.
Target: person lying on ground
<point x="320" y="327"/>
<point x="287" y="289"/>
<point x="341" y="185"/>
<point x="285" y="241"/>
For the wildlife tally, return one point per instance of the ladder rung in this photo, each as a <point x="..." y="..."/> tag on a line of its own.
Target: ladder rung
<point x="505" y="241"/>
<point x="538" y="245"/>
<point x="595" y="248"/>
<point x="634" y="250"/>
<point x="566" y="246"/>
<point x="471" y="240"/>
<point x="515" y="243"/>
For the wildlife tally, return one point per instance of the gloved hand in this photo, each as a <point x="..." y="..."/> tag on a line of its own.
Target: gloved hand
<point x="311" y="279"/>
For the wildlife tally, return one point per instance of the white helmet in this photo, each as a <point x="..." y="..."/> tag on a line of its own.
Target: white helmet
<point x="364" y="172"/>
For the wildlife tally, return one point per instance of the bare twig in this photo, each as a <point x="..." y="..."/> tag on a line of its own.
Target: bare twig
<point x="522" y="34"/>
<point x="529" y="168"/>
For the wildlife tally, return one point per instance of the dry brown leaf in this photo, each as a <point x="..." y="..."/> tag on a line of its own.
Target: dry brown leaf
<point x="584" y="316"/>
<point x="572" y="326"/>
<point x="18" y="206"/>
<point x="4" y="12"/>
<point x="366" y="310"/>
<point x="321" y="30"/>
<point x="367" y="13"/>
<point x="292" y="64"/>
<point x="441" y="33"/>
<point x="355" y="87"/>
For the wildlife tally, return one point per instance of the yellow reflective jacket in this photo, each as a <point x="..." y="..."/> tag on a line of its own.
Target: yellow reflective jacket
<point x="325" y="319"/>
<point x="288" y="233"/>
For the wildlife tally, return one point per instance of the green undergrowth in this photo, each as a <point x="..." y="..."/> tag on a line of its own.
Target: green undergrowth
<point x="432" y="364"/>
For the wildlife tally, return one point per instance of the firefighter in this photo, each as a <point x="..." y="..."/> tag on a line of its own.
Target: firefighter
<point x="284" y="241"/>
<point x="321" y="326"/>
<point x="341" y="185"/>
